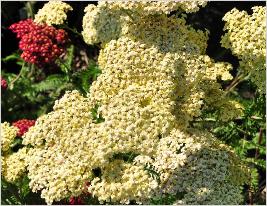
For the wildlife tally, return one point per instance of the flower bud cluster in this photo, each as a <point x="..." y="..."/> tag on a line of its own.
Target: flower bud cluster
<point x="246" y="37"/>
<point x="144" y="7"/>
<point x="76" y="201"/>
<point x="3" y="83"/>
<point x="155" y="79"/>
<point x="53" y="12"/>
<point x="13" y="165"/>
<point x="122" y="182"/>
<point x="105" y="21"/>
<point x="8" y="134"/>
<point x="23" y="125"/>
<point x="199" y="168"/>
<point x="40" y="44"/>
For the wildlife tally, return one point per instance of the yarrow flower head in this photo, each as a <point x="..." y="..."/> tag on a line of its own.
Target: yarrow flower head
<point x="8" y="134"/>
<point x="40" y="44"/>
<point x="145" y="7"/>
<point x="155" y="79"/>
<point x="103" y="22"/>
<point x="13" y="165"/>
<point x="23" y="125"/>
<point x="3" y="83"/>
<point x="53" y="12"/>
<point x="246" y="37"/>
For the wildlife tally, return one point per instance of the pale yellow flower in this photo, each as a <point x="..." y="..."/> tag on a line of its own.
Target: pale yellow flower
<point x="246" y="37"/>
<point x="8" y="134"/>
<point x="155" y="79"/>
<point x="52" y="13"/>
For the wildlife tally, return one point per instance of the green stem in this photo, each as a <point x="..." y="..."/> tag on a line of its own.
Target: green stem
<point x="32" y="70"/>
<point x="66" y="70"/>
<point x="64" y="26"/>
<point x="256" y="118"/>
<point x="205" y="120"/>
<point x="71" y="55"/>
<point x="244" y="132"/>
<point x="18" y="76"/>
<point x="259" y="143"/>
<point x="233" y="83"/>
<point x="28" y="6"/>
<point x="238" y="79"/>
<point x="128" y="13"/>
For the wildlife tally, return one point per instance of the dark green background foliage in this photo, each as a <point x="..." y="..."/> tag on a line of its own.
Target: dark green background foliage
<point x="32" y="92"/>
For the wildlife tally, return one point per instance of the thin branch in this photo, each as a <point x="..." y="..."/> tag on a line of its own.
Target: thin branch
<point x="128" y="13"/>
<point x="250" y="196"/>
<point x="259" y="143"/>
<point x="18" y="76"/>
<point x="73" y="30"/>
<point x="29" y="9"/>
<point x="238" y="79"/>
<point x="205" y="120"/>
<point x="256" y="118"/>
<point x="244" y="132"/>
<point x="32" y="70"/>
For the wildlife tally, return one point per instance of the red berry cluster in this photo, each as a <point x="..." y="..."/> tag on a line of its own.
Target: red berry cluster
<point x="3" y="83"/>
<point x="80" y="199"/>
<point x="76" y="201"/>
<point x="85" y="187"/>
<point x="40" y="43"/>
<point x="23" y="125"/>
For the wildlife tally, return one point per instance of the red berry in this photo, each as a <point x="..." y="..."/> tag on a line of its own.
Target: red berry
<point x="40" y="44"/>
<point x="72" y="200"/>
<point x="76" y="201"/>
<point x="23" y="125"/>
<point x="3" y="83"/>
<point x="86" y="185"/>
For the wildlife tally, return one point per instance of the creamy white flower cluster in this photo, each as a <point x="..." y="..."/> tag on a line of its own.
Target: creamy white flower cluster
<point x="122" y="182"/>
<point x="246" y="37"/>
<point x="145" y="7"/>
<point x="109" y="24"/>
<point x="104" y="22"/>
<point x="8" y="134"/>
<point x="60" y="166"/>
<point x="198" y="168"/>
<point x="12" y="164"/>
<point x="53" y="12"/>
<point x="63" y="155"/>
<point x="155" y="79"/>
